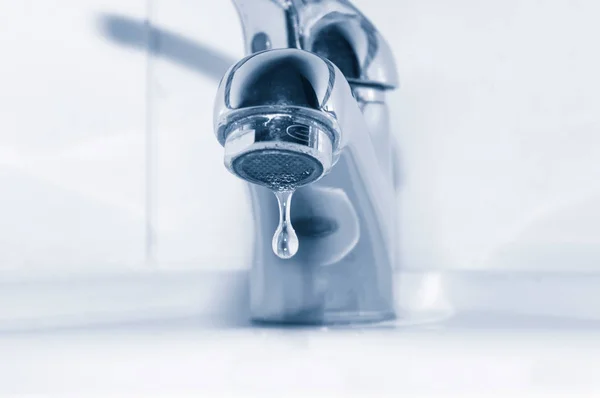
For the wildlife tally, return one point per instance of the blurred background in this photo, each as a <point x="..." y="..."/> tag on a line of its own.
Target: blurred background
<point x="108" y="159"/>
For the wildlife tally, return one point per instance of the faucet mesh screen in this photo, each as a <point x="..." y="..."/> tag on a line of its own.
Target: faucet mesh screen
<point x="278" y="170"/>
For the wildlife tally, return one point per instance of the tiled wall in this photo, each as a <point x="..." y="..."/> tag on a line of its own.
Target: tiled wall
<point x="203" y="217"/>
<point x="71" y="138"/>
<point x="497" y="120"/>
<point x="499" y="131"/>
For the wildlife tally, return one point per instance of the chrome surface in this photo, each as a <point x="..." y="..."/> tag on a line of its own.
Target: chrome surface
<point x="334" y="29"/>
<point x="306" y="109"/>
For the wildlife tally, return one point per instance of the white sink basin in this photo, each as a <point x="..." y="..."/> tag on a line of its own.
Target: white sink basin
<point x="168" y="333"/>
<point x="183" y="357"/>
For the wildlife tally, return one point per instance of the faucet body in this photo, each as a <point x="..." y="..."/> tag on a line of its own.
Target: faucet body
<point x="307" y="106"/>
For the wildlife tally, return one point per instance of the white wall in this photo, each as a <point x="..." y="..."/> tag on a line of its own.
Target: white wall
<point x="497" y="120"/>
<point x="500" y="132"/>
<point x="203" y="216"/>
<point x="71" y="138"/>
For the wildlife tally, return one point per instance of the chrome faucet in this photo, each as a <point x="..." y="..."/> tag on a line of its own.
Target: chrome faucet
<point x="305" y="112"/>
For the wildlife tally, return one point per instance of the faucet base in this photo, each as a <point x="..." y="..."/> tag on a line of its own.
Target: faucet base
<point x="329" y="318"/>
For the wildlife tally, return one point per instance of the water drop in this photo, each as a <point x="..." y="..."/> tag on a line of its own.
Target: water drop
<point x="285" y="240"/>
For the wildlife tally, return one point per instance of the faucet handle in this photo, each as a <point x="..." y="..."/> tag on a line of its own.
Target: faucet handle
<point x="333" y="29"/>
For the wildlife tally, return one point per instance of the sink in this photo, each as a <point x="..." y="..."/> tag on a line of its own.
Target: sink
<point x="449" y="299"/>
<point x="159" y="331"/>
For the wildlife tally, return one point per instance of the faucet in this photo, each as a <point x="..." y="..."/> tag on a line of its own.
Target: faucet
<point x="303" y="119"/>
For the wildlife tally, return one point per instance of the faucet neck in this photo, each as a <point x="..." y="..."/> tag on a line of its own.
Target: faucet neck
<point x="333" y="29"/>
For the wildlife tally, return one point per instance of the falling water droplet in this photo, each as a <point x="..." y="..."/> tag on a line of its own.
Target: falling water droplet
<point x="285" y="240"/>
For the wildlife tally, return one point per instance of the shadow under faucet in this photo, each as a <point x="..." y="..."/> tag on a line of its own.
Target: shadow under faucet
<point x="139" y="34"/>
